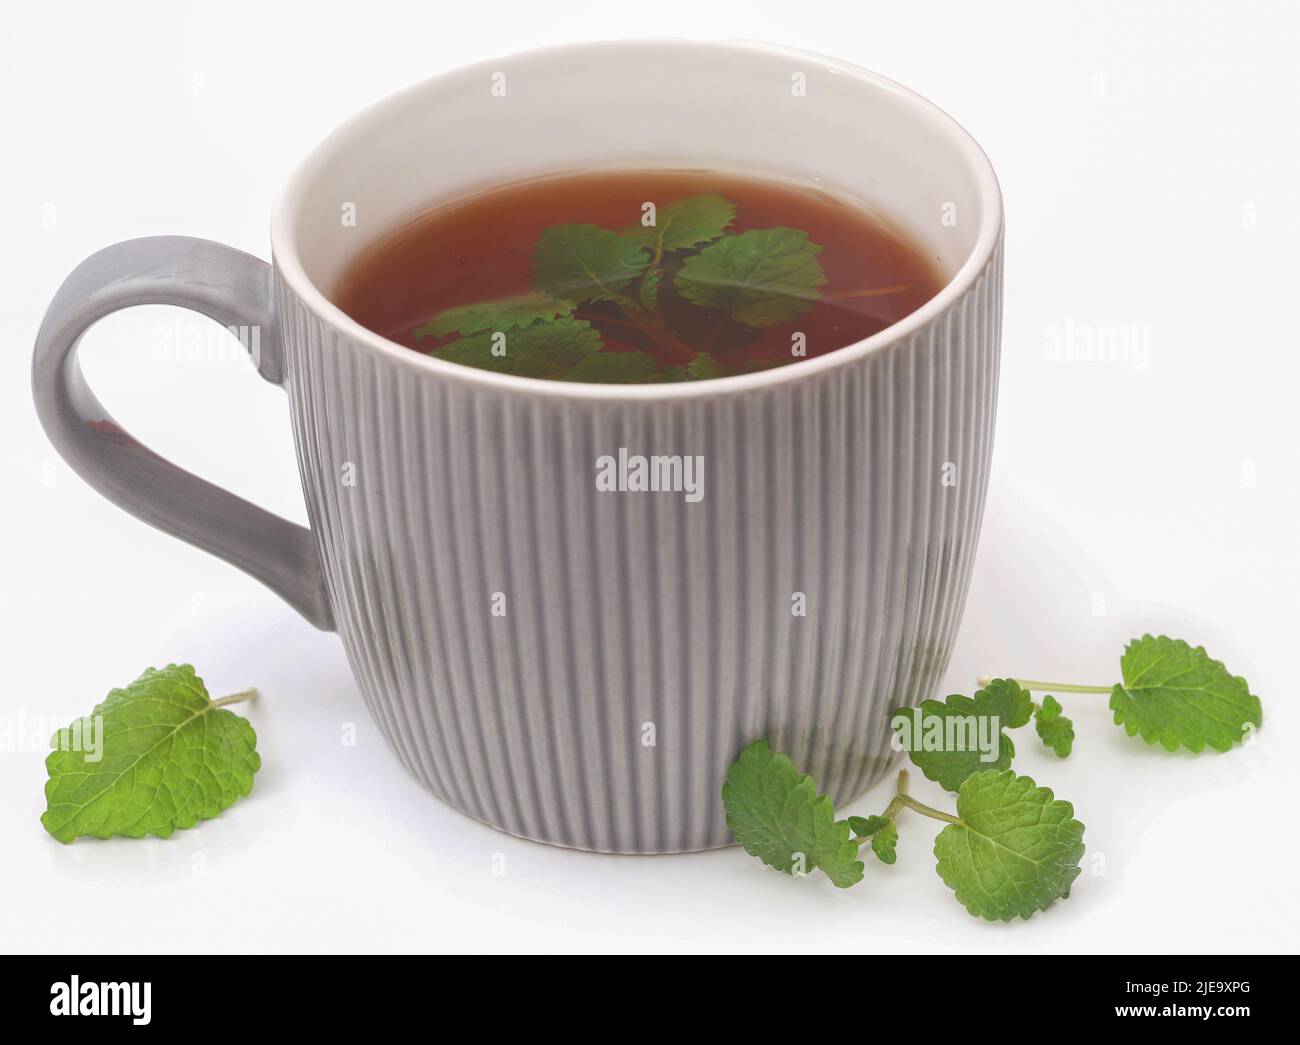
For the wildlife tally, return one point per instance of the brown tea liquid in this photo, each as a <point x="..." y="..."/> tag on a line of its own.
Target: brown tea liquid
<point x="831" y="274"/>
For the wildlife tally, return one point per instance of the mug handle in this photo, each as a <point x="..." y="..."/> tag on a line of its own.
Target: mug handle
<point x="235" y="289"/>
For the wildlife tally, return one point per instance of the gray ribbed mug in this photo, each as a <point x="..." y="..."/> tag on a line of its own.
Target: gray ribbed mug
<point x="566" y="663"/>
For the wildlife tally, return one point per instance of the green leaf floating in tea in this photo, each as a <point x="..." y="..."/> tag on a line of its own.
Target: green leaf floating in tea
<point x="613" y="368"/>
<point x="763" y="276"/>
<point x="544" y="348"/>
<point x="703" y="367"/>
<point x="649" y="293"/>
<point x="592" y="284"/>
<point x="686" y="223"/>
<point x="586" y="263"/>
<point x="495" y="315"/>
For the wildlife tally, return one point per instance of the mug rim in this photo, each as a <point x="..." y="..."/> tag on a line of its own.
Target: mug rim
<point x="289" y="267"/>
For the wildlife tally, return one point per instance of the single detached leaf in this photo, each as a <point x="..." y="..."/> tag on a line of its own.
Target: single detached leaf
<point x="884" y="842"/>
<point x="776" y="813"/>
<point x="685" y="223"/>
<point x="762" y="277"/>
<point x="1174" y="694"/>
<point x="1015" y="851"/>
<point x="949" y="740"/>
<point x="606" y="367"/>
<point x="1054" y="729"/>
<point x="866" y="825"/>
<point x="152" y="757"/>
<point x="543" y="349"/>
<point x="585" y="263"/>
<point x="517" y="311"/>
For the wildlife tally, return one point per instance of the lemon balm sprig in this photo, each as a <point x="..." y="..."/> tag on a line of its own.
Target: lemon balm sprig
<point x="1009" y="850"/>
<point x="1172" y="694"/>
<point x="881" y="831"/>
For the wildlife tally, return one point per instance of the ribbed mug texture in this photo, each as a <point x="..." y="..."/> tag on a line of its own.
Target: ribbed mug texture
<point x="645" y="639"/>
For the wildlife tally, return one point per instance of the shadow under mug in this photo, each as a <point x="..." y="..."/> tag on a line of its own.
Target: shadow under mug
<point x="567" y="664"/>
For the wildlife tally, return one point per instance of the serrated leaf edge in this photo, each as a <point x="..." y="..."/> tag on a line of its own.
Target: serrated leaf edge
<point x="1051" y="799"/>
<point x="243" y="778"/>
<point x="1154" y="740"/>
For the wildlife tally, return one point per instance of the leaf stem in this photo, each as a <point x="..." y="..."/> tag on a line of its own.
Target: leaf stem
<point x="1060" y="687"/>
<point x="712" y="339"/>
<point x="902" y="800"/>
<point x="930" y="811"/>
<point x="659" y="247"/>
<point x="673" y="348"/>
<point x="235" y="698"/>
<point x="591" y="317"/>
<point x="900" y="797"/>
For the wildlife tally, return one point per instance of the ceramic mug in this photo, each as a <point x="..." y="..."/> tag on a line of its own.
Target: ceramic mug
<point x="570" y="664"/>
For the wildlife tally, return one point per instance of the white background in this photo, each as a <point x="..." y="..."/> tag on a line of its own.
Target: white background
<point x="1148" y="155"/>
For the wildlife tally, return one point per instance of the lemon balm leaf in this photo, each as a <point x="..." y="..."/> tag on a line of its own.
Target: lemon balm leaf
<point x="862" y="826"/>
<point x="704" y="367"/>
<point x="1012" y="702"/>
<point x="1175" y="694"/>
<point x="627" y="368"/>
<point x="884" y="842"/>
<point x="519" y="311"/>
<point x="1011" y="849"/>
<point x="775" y="812"/>
<point x="762" y="277"/>
<point x="686" y="222"/>
<point x="951" y="739"/>
<point x="542" y="349"/>
<point x="585" y="263"/>
<point x="1015" y="850"/>
<point x="1054" y="729"/>
<point x="151" y="758"/>
<point x="882" y="830"/>
<point x="649" y="292"/>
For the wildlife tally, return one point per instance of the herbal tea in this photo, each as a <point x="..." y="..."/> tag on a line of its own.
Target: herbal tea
<point x="632" y="277"/>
